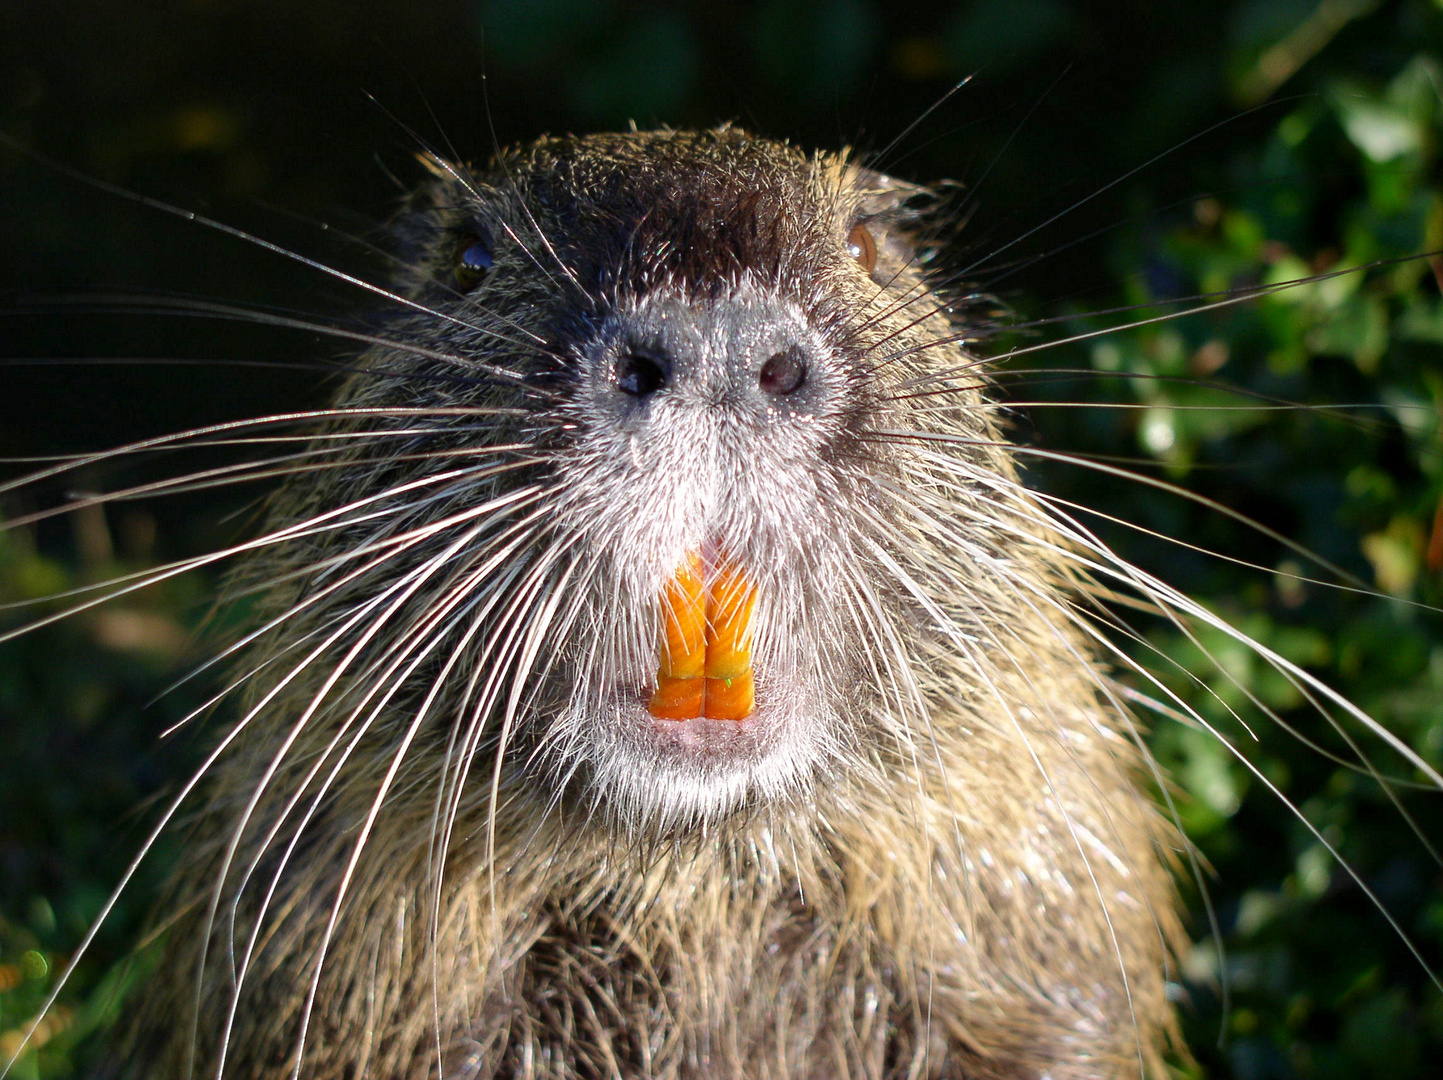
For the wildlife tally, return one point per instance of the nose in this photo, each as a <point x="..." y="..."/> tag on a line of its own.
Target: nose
<point x="643" y="370"/>
<point x="750" y="352"/>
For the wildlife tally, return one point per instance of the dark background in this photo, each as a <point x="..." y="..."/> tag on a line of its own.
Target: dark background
<point x="1114" y="152"/>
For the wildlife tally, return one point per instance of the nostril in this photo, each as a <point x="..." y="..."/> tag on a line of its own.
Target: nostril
<point x="641" y="375"/>
<point x="784" y="372"/>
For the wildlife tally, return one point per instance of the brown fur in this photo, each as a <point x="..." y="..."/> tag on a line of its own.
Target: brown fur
<point x="973" y="886"/>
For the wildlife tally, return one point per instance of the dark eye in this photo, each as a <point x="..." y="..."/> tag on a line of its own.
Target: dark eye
<point x="784" y="371"/>
<point x="862" y="247"/>
<point x="473" y="260"/>
<point x="641" y="375"/>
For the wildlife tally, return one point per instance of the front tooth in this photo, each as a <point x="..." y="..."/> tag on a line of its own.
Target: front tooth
<point x="684" y="639"/>
<point x="705" y="667"/>
<point x="677" y="699"/>
<point x="729" y="699"/>
<point x="730" y="602"/>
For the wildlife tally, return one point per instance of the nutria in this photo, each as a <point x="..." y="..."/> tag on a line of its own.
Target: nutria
<point x="660" y="671"/>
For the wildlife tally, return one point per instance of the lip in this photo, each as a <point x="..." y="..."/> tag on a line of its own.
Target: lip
<point x="661" y="774"/>
<point x="701" y="741"/>
<point x="705" y="736"/>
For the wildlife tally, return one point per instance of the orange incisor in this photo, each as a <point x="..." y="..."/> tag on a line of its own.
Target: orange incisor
<point x="706" y="645"/>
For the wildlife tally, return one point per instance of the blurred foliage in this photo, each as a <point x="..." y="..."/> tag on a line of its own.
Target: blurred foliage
<point x="1314" y="411"/>
<point x="81" y="758"/>
<point x="1239" y="404"/>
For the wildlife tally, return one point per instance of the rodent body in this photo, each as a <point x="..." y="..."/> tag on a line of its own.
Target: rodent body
<point x="447" y="838"/>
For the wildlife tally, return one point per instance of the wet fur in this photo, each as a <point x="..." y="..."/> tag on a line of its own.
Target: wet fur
<point x="418" y="856"/>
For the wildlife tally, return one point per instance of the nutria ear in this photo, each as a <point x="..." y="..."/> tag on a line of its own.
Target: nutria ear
<point x="450" y="189"/>
<point x="437" y="166"/>
<point x="897" y="216"/>
<point x="881" y="189"/>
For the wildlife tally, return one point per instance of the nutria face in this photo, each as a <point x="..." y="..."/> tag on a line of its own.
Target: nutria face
<point x="702" y="336"/>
